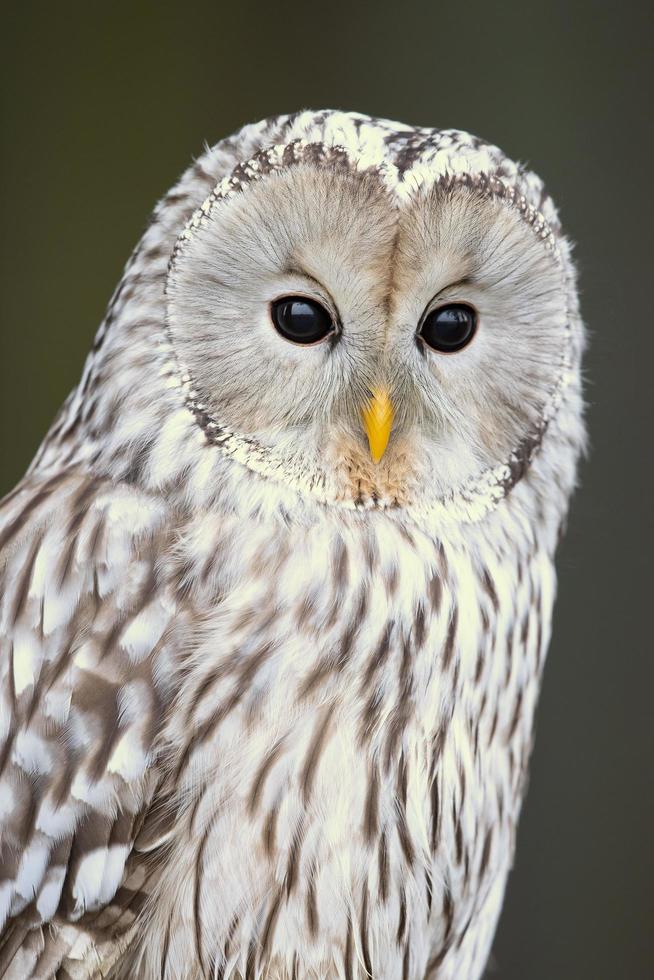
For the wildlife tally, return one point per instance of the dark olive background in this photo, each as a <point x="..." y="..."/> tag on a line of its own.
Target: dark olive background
<point x="104" y="104"/>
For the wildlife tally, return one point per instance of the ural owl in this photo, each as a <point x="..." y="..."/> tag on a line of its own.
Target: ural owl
<point x="276" y="590"/>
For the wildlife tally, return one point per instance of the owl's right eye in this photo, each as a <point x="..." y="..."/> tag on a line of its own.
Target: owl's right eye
<point x="301" y="320"/>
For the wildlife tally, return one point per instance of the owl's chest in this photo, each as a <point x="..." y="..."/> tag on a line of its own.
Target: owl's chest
<point x="356" y="723"/>
<point x="388" y="631"/>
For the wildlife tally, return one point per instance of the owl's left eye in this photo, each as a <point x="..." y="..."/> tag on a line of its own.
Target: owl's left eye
<point x="449" y="329"/>
<point x="301" y="320"/>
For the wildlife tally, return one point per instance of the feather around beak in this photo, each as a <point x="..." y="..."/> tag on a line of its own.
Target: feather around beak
<point x="378" y="415"/>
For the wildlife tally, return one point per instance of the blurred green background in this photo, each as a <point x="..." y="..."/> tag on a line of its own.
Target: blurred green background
<point x="104" y="104"/>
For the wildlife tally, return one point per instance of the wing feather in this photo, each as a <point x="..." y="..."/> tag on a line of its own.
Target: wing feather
<point x="84" y="609"/>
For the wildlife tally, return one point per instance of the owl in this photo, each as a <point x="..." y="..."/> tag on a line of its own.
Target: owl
<point x="276" y="591"/>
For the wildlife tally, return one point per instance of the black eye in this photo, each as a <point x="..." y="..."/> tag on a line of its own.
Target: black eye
<point x="449" y="328"/>
<point x="301" y="320"/>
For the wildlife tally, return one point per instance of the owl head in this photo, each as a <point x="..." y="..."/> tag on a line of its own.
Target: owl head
<point x="362" y="312"/>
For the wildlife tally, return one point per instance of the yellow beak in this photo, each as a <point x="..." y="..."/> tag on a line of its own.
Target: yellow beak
<point x="378" y="416"/>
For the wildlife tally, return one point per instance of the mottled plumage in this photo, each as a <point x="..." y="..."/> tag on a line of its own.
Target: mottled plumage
<point x="267" y="705"/>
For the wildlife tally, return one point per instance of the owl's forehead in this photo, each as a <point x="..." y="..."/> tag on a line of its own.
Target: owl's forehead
<point x="398" y="163"/>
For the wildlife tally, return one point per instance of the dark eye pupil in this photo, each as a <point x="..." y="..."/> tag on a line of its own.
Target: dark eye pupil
<point x="301" y="320"/>
<point x="449" y="328"/>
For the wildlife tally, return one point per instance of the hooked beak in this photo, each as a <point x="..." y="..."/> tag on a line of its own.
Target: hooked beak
<point x="377" y="415"/>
